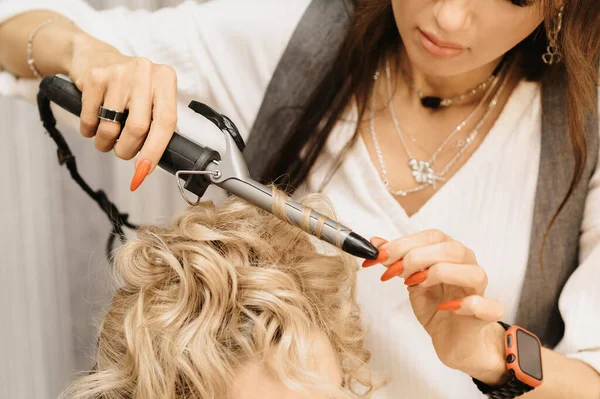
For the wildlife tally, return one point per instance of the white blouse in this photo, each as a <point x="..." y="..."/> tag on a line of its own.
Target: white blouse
<point x="225" y="52"/>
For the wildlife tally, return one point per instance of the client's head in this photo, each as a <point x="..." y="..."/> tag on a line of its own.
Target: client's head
<point x="230" y="302"/>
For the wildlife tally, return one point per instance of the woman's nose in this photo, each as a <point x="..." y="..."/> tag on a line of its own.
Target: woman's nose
<point x="452" y="15"/>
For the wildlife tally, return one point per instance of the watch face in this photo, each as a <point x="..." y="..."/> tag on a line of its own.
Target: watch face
<point x="530" y="356"/>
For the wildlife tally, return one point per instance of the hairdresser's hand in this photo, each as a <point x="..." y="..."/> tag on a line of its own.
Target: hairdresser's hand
<point x="446" y="288"/>
<point x="110" y="79"/>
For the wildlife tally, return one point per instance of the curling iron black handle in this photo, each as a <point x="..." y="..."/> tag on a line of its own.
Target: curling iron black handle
<point x="180" y="154"/>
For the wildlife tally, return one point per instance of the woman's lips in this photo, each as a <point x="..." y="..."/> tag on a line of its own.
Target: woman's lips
<point x="438" y="47"/>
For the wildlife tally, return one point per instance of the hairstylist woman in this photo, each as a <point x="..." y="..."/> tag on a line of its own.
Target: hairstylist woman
<point x="432" y="137"/>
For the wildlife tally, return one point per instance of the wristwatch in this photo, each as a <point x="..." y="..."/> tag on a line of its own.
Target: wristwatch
<point x="523" y="352"/>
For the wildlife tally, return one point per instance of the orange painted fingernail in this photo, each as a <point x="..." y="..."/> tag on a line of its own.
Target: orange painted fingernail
<point x="394" y="270"/>
<point x="141" y="172"/>
<point x="416" y="278"/>
<point x="450" y="305"/>
<point x="382" y="257"/>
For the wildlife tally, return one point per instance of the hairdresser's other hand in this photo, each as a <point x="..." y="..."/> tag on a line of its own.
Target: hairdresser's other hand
<point x="110" y="79"/>
<point x="446" y="288"/>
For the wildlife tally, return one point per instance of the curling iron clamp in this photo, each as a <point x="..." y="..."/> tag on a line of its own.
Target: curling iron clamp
<point x="197" y="167"/>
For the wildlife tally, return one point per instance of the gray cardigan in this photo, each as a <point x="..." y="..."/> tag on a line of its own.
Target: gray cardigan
<point x="311" y="49"/>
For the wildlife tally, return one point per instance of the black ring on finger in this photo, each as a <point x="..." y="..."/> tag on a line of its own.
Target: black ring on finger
<point x="110" y="115"/>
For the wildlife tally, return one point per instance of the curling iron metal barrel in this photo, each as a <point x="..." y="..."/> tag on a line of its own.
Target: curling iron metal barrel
<point x="333" y="232"/>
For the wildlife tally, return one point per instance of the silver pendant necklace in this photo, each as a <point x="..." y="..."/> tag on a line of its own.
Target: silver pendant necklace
<point x="423" y="171"/>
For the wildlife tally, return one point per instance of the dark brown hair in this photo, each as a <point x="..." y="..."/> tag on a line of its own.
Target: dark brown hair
<point x="373" y="34"/>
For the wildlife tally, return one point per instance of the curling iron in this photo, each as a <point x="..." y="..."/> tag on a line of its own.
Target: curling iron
<point x="199" y="167"/>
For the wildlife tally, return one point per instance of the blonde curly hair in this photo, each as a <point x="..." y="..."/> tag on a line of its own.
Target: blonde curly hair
<point x="220" y="288"/>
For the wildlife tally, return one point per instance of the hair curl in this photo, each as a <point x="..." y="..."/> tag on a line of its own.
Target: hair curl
<point x="221" y="287"/>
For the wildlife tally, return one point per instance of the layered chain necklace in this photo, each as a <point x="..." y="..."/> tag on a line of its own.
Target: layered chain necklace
<point x="423" y="171"/>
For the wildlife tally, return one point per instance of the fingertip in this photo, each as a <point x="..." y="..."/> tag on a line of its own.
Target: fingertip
<point x="141" y="171"/>
<point x="382" y="257"/>
<point x="152" y="168"/>
<point x="393" y="271"/>
<point x="450" y="305"/>
<point x="143" y="159"/>
<point x="416" y="278"/>
<point x="378" y="241"/>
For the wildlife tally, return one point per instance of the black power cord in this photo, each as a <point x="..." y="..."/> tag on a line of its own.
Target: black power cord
<point x="117" y="219"/>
